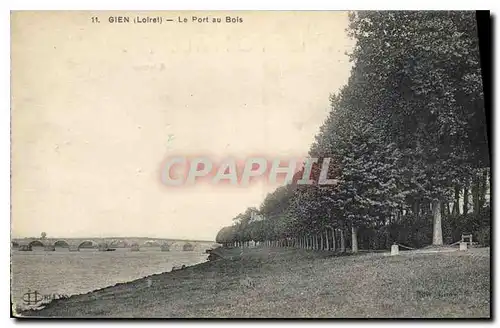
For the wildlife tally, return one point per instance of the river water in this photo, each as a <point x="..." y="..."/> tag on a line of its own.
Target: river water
<point x="69" y="273"/>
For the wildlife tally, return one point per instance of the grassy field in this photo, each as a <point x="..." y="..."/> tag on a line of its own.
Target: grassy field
<point x="290" y="283"/>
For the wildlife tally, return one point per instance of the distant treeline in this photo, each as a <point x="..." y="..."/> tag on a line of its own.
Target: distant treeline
<point x="408" y="142"/>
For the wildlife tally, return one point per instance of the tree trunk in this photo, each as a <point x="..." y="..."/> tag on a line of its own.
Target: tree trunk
<point x="342" y="241"/>
<point x="334" y="242"/>
<point x="327" y="241"/>
<point x="321" y="241"/>
<point x="456" y="204"/>
<point x="428" y="207"/>
<point x="437" y="235"/>
<point x="354" y="231"/>
<point x="483" y="189"/>
<point x="475" y="193"/>
<point x="466" y="198"/>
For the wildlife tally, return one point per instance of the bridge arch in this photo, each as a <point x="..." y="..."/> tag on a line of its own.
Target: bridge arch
<point x="36" y="243"/>
<point x="88" y="244"/>
<point x="61" y="243"/>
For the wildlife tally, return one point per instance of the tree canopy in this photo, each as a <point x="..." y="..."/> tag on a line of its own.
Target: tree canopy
<point x="406" y="134"/>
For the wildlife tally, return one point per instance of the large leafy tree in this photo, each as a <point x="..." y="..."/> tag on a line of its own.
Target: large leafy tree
<point x="422" y="86"/>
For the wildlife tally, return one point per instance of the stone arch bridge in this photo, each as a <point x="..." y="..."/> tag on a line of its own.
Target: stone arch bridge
<point x="103" y="244"/>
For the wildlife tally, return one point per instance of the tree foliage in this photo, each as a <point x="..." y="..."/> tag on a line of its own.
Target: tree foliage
<point x="406" y="134"/>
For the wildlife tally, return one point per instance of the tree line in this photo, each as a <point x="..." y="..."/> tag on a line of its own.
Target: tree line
<point x="408" y="143"/>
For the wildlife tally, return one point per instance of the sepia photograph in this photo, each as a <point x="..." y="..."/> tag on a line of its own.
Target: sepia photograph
<point x="250" y="164"/>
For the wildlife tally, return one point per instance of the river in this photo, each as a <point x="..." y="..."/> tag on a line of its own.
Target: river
<point x="69" y="273"/>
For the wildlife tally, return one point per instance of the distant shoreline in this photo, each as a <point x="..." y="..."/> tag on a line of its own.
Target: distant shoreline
<point x="115" y="237"/>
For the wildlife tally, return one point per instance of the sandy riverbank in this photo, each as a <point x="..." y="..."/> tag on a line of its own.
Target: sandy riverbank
<point x="268" y="282"/>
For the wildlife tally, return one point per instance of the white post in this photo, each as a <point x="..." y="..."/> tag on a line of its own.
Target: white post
<point x="394" y="249"/>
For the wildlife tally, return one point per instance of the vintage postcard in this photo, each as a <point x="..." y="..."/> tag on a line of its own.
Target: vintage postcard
<point x="250" y="164"/>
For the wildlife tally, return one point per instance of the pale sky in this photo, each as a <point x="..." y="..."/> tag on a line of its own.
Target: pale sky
<point x="96" y="108"/>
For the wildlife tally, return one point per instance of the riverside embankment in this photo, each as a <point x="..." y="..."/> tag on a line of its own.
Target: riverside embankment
<point x="280" y="282"/>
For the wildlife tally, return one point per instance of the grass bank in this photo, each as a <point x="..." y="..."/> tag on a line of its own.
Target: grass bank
<point x="293" y="283"/>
